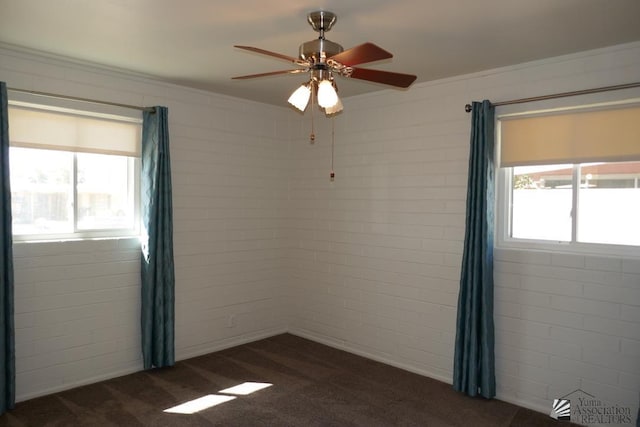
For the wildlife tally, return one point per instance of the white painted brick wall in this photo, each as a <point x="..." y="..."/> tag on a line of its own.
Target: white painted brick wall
<point x="378" y="254"/>
<point x="582" y="334"/>
<point x="77" y="303"/>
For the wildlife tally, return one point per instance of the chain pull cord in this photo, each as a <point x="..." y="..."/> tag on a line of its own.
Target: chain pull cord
<point x="332" y="176"/>
<point x="312" y="136"/>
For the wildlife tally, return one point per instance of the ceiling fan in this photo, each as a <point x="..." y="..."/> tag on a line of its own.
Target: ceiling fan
<point x="323" y="59"/>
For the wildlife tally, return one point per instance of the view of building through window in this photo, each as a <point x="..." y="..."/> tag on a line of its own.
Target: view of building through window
<point x="607" y="201"/>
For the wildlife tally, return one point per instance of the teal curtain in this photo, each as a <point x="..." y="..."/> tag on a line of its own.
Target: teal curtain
<point x="7" y="342"/>
<point x="474" y="365"/>
<point x="157" y="270"/>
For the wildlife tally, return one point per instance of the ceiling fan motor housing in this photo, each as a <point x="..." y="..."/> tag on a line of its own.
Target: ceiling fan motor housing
<point x="317" y="51"/>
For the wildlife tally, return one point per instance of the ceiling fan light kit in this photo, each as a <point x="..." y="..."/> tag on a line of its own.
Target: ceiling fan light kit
<point x="321" y="59"/>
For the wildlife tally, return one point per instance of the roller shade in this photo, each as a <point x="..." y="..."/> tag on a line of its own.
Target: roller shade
<point x="53" y="130"/>
<point x="608" y="135"/>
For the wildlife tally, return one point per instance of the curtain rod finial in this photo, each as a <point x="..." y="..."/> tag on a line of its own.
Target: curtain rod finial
<point x="468" y="108"/>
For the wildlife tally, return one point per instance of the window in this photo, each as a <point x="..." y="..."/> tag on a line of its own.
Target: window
<point x="74" y="174"/>
<point x="570" y="177"/>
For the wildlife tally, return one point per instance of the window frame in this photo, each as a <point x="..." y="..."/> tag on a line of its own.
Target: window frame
<point x="504" y="186"/>
<point x="133" y="171"/>
<point x="503" y="226"/>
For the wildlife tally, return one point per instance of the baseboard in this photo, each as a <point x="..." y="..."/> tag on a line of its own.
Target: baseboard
<point x="345" y="347"/>
<point x="251" y="337"/>
<point x="231" y="342"/>
<point x="524" y="403"/>
<point x="80" y="383"/>
<point x="221" y="345"/>
<point x="342" y="346"/>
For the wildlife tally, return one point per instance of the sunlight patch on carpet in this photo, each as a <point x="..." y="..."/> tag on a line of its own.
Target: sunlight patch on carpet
<point x="245" y="388"/>
<point x="210" y="400"/>
<point x="199" y="404"/>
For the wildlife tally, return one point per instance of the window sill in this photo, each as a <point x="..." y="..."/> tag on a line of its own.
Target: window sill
<point x="58" y="239"/>
<point x="588" y="249"/>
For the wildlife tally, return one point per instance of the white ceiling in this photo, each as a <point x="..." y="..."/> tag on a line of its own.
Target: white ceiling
<point x="190" y="42"/>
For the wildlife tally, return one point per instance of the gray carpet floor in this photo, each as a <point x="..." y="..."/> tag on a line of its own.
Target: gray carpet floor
<point x="311" y="385"/>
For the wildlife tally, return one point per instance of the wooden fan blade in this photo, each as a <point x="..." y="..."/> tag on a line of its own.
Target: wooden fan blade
<point x="367" y="52"/>
<point x="266" y="52"/>
<point x="384" y="77"/>
<point x="272" y="73"/>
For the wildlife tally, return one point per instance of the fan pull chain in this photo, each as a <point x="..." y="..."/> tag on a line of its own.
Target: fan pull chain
<point x="332" y="176"/>
<point x="312" y="136"/>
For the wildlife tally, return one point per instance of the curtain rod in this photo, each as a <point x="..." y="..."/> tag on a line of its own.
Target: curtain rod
<point x="75" y="98"/>
<point x="468" y="107"/>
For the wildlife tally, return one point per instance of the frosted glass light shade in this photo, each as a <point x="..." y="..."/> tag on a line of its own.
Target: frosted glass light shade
<point x="335" y="109"/>
<point x="327" y="96"/>
<point x="300" y="97"/>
